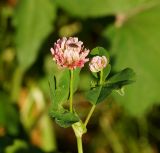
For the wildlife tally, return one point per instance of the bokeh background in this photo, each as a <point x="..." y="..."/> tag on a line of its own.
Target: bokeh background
<point x="129" y="29"/>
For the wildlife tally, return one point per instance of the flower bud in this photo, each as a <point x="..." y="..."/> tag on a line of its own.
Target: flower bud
<point x="98" y="63"/>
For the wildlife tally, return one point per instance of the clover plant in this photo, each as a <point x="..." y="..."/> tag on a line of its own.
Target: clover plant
<point x="71" y="56"/>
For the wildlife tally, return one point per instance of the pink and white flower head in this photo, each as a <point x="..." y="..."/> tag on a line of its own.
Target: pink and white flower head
<point x="98" y="63"/>
<point x="69" y="53"/>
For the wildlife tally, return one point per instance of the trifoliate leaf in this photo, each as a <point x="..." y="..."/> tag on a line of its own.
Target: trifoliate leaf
<point x="116" y="82"/>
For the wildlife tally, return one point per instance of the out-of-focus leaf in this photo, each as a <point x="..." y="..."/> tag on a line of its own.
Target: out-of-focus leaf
<point x="5" y="37"/>
<point x="86" y="81"/>
<point x="96" y="8"/>
<point x="48" y="141"/>
<point x="17" y="145"/>
<point x="33" y="21"/>
<point x="136" y="44"/>
<point x="63" y="117"/>
<point x="35" y="102"/>
<point x="9" y="118"/>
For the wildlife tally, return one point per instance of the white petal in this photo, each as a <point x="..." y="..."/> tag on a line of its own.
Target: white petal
<point x="52" y="51"/>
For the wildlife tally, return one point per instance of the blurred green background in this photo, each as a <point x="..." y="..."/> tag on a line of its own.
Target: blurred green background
<point x="129" y="29"/>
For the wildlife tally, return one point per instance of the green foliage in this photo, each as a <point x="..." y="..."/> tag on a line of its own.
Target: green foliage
<point x="33" y="21"/>
<point x="100" y="51"/>
<point x="106" y="72"/>
<point x="59" y="89"/>
<point x="136" y="44"/>
<point x="93" y="95"/>
<point x="17" y="145"/>
<point x="101" y="92"/>
<point x="63" y="117"/>
<point x="121" y="78"/>
<point x="9" y="118"/>
<point x="95" y="8"/>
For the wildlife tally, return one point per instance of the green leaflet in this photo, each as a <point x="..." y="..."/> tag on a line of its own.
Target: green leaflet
<point x="59" y="88"/>
<point x="100" y="51"/>
<point x="93" y="94"/>
<point x="106" y="72"/>
<point x="121" y="78"/>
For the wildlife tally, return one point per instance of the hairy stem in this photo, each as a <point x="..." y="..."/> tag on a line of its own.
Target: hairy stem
<point x="71" y="92"/>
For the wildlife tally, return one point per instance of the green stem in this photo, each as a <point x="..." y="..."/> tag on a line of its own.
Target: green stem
<point x="101" y="77"/>
<point x="79" y="144"/>
<point x="71" y="92"/>
<point x="89" y="115"/>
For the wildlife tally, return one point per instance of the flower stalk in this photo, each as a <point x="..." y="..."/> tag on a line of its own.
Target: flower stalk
<point x="89" y="115"/>
<point x="71" y="91"/>
<point x="101" y="77"/>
